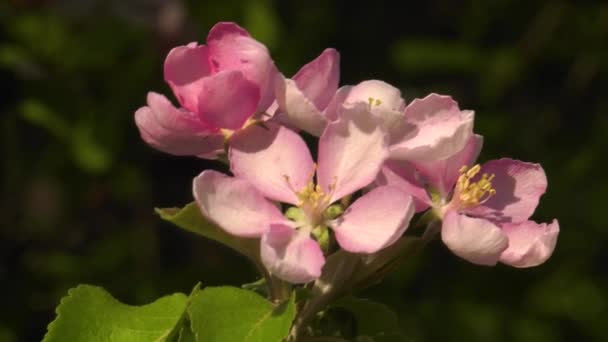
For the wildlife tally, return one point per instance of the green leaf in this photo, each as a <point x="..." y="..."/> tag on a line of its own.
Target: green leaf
<point x="186" y="334"/>
<point x="230" y="314"/>
<point x="16" y="57"/>
<point x="40" y="114"/>
<point x="372" y="318"/>
<point x="259" y="286"/>
<point x="427" y="56"/>
<point x="190" y="218"/>
<point x="90" y="313"/>
<point x="90" y="155"/>
<point x="262" y="21"/>
<point x="385" y="338"/>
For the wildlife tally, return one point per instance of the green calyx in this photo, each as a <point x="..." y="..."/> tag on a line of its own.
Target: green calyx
<point x="333" y="211"/>
<point x="295" y="214"/>
<point x="435" y="195"/>
<point x="321" y="234"/>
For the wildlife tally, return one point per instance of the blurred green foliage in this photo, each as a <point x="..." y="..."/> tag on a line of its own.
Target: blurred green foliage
<point x="79" y="186"/>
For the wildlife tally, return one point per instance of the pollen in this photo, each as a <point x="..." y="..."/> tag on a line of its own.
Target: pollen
<point x="312" y="199"/>
<point x="373" y="102"/>
<point x="312" y="194"/>
<point x="470" y="194"/>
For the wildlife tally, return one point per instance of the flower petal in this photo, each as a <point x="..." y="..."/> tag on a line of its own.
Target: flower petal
<point x="234" y="204"/>
<point x="272" y="158"/>
<point x="518" y="186"/>
<point x="174" y="131"/>
<point x="291" y="255"/>
<point x="403" y="175"/>
<point x="374" y="221"/>
<point x="318" y="80"/>
<point x="384" y="100"/>
<point x="333" y="108"/>
<point x="442" y="174"/>
<point x="476" y="240"/>
<point x="185" y="68"/>
<point x="299" y="111"/>
<point x="227" y="99"/>
<point x="388" y="96"/>
<point x="530" y="243"/>
<point x="232" y="48"/>
<point x="434" y="129"/>
<point x="351" y="152"/>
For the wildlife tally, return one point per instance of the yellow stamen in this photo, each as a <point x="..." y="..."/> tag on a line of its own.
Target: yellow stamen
<point x="469" y="193"/>
<point x="312" y="195"/>
<point x="312" y="198"/>
<point x="373" y="102"/>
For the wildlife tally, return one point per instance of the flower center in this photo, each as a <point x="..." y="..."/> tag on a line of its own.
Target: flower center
<point x="312" y="199"/>
<point x="470" y="194"/>
<point x="312" y="195"/>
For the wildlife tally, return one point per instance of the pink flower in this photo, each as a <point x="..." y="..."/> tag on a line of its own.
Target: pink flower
<point x="273" y="164"/>
<point x="304" y="98"/>
<point x="176" y="131"/>
<point x="431" y="128"/>
<point x="220" y="86"/>
<point x="485" y="209"/>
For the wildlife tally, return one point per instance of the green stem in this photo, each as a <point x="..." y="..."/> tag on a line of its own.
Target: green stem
<point x="278" y="290"/>
<point x="354" y="272"/>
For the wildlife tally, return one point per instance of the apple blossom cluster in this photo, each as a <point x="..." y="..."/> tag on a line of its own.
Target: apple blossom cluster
<point x="379" y="161"/>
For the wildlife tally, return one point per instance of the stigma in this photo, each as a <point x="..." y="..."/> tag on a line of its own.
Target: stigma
<point x="469" y="194"/>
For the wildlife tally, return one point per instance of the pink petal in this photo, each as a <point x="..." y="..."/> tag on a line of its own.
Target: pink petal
<point x="434" y="129"/>
<point x="213" y="154"/>
<point x="518" y="185"/>
<point x="232" y="48"/>
<point x="476" y="240"/>
<point x="442" y="174"/>
<point x="185" y="68"/>
<point x="171" y="118"/>
<point x="271" y="111"/>
<point x="266" y="155"/>
<point x="389" y="96"/>
<point x="234" y="204"/>
<point x="374" y="221"/>
<point x="530" y="243"/>
<point x="227" y="99"/>
<point x="334" y="107"/>
<point x="176" y="131"/>
<point x="290" y="255"/>
<point x="299" y="111"/>
<point x="403" y="175"/>
<point x="318" y="80"/>
<point x="351" y="152"/>
<point x="390" y="106"/>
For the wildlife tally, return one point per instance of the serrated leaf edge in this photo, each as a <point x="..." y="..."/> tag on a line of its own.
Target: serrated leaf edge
<point x="70" y="296"/>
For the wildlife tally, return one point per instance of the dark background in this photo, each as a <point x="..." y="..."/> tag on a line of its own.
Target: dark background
<point x="78" y="186"/>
